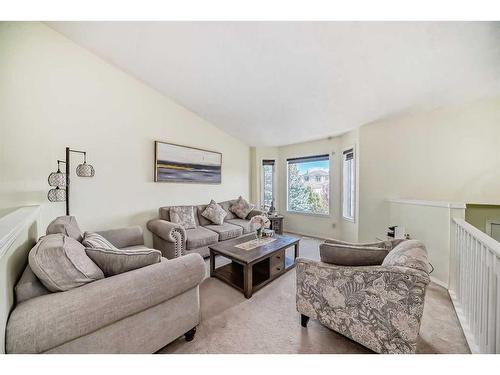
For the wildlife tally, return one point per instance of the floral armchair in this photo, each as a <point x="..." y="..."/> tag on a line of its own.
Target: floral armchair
<point x="378" y="306"/>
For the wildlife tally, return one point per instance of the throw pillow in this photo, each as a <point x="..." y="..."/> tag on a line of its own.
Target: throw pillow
<point x="66" y="225"/>
<point x="60" y="263"/>
<point x="94" y="240"/>
<point x="113" y="262"/>
<point x="241" y="208"/>
<point x="352" y="255"/>
<point x="215" y="213"/>
<point x="183" y="215"/>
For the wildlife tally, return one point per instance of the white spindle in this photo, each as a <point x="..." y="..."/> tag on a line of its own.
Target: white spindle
<point x="475" y="289"/>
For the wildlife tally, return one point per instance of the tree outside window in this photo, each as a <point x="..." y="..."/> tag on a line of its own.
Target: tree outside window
<point x="308" y="185"/>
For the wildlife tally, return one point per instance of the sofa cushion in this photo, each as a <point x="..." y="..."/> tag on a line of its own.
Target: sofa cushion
<point x="215" y="213"/>
<point x="411" y="253"/>
<point x="94" y="240"/>
<point x="226" y="231"/>
<point x="199" y="237"/>
<point x="113" y="261"/>
<point x="66" y="225"/>
<point x="60" y="263"/>
<point x="241" y="208"/>
<point x="226" y="205"/>
<point x="183" y="215"/>
<point x="245" y="224"/>
<point x="29" y="286"/>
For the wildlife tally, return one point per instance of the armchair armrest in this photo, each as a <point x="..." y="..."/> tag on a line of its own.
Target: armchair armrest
<point x="124" y="237"/>
<point x="351" y="255"/>
<point x="43" y="323"/>
<point x="380" y="306"/>
<point x="168" y="237"/>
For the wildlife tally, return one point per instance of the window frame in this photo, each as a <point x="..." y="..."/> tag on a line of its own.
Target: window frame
<point x="345" y="152"/>
<point x="262" y="181"/>
<point x="330" y="210"/>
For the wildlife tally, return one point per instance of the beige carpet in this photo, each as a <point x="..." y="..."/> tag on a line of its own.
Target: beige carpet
<point x="269" y="324"/>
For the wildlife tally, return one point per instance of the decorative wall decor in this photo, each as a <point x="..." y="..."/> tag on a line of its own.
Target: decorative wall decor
<point x="176" y="163"/>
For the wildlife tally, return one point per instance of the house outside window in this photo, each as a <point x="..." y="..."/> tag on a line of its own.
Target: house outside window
<point x="308" y="185"/>
<point x="267" y="192"/>
<point x="348" y="184"/>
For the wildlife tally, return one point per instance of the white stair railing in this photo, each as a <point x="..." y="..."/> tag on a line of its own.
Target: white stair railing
<point x="475" y="286"/>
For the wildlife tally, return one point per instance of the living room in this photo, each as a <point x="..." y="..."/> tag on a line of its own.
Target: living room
<point x="255" y="187"/>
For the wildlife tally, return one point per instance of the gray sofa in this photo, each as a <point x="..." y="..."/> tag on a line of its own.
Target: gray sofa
<point x="139" y="311"/>
<point x="173" y="240"/>
<point x="379" y="306"/>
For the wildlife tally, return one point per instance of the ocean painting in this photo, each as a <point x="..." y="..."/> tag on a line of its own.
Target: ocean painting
<point x="175" y="163"/>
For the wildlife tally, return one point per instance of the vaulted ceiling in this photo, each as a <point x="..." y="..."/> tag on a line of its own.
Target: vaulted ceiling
<point x="277" y="83"/>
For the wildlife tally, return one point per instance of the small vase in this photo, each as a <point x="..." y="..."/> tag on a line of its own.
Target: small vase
<point x="259" y="233"/>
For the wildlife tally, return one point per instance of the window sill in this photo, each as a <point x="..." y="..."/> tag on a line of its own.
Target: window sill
<point x="308" y="214"/>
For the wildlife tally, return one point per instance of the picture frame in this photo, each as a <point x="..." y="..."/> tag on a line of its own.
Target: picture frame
<point x="186" y="164"/>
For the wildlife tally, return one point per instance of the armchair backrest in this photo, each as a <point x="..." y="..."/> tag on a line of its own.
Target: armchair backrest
<point x="410" y="254"/>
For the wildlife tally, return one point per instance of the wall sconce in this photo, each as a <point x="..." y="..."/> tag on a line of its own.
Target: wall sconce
<point x="60" y="180"/>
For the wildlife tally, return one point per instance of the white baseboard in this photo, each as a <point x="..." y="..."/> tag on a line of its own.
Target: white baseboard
<point x="439" y="282"/>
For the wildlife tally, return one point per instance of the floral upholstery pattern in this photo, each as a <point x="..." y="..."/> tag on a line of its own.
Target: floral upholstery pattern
<point x="379" y="307"/>
<point x="241" y="208"/>
<point x="214" y="212"/>
<point x="184" y="216"/>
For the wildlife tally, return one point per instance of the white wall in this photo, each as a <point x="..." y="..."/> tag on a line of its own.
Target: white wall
<point x="54" y="94"/>
<point x="449" y="154"/>
<point x="429" y="222"/>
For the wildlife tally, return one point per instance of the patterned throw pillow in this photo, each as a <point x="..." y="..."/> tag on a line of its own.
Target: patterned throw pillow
<point x="96" y="241"/>
<point x="183" y="215"/>
<point x="241" y="208"/>
<point x="215" y="213"/>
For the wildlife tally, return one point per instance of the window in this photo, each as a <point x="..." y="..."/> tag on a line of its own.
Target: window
<point x="349" y="186"/>
<point x="267" y="182"/>
<point x="308" y="188"/>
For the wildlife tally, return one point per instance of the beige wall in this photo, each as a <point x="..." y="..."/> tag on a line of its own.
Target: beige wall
<point x="450" y="154"/>
<point x="478" y="214"/>
<point x="55" y="94"/>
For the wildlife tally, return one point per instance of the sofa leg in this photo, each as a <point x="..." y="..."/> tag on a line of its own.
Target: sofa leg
<point x="189" y="335"/>
<point x="304" y="320"/>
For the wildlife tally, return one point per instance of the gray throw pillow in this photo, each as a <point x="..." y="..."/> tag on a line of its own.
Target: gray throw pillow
<point x="114" y="262"/>
<point x="66" y="225"/>
<point x="215" y="213"/>
<point x="352" y="255"/>
<point x="94" y="240"/>
<point x="241" y="208"/>
<point x="61" y="264"/>
<point x="183" y="215"/>
<point x="29" y="286"/>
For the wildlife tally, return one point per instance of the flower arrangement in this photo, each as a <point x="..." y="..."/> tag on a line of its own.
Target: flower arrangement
<point x="260" y="222"/>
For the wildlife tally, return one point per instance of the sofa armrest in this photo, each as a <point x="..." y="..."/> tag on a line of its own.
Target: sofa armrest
<point x="350" y="255"/>
<point x="168" y="237"/>
<point x="43" y="323"/>
<point x="256" y="212"/>
<point x="380" y="306"/>
<point x="124" y="237"/>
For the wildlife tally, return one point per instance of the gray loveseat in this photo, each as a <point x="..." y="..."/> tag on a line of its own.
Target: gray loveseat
<point x="379" y="306"/>
<point x="173" y="240"/>
<point x="139" y="311"/>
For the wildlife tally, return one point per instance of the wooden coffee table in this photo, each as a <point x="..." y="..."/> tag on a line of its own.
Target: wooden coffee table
<point x="250" y="270"/>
